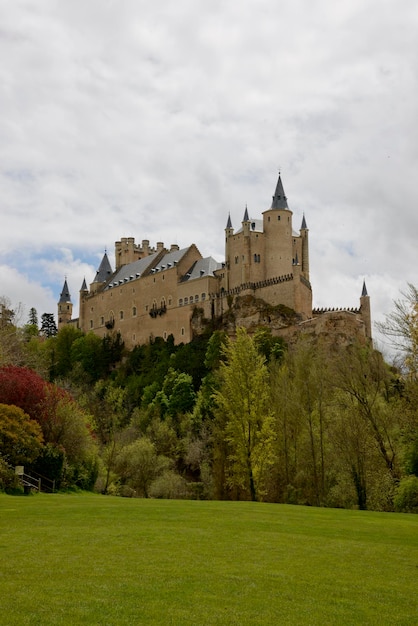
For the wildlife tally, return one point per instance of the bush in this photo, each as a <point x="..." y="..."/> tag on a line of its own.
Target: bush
<point x="406" y="499"/>
<point x="169" y="486"/>
<point x="9" y="482"/>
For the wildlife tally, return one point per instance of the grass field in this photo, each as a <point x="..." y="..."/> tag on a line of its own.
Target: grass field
<point x="90" y="559"/>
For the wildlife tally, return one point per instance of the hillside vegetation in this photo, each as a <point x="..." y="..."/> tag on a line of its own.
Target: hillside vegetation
<point x="247" y="418"/>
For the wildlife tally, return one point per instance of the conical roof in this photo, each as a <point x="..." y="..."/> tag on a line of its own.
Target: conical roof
<point x="65" y="294"/>
<point x="279" y="199"/>
<point x="246" y="218"/>
<point x="229" y="223"/>
<point x="304" y="227"/>
<point x="364" y="290"/>
<point x="104" y="272"/>
<point x="84" y="286"/>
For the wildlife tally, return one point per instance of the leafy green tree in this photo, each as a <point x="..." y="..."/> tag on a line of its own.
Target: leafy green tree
<point x="20" y="436"/>
<point x="243" y="409"/>
<point x="48" y="325"/>
<point x="88" y="352"/>
<point x="59" y="348"/>
<point x="138" y="465"/>
<point x="270" y="347"/>
<point x="401" y="328"/>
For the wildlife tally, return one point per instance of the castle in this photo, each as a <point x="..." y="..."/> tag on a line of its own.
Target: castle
<point x="155" y="291"/>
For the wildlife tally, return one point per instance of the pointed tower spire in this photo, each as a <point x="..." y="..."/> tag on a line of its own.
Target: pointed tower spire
<point x="246" y="218"/>
<point x="84" y="286"/>
<point x="105" y="270"/>
<point x="365" y="311"/>
<point x="229" y="223"/>
<point x="279" y="199"/>
<point x="65" y="294"/>
<point x="65" y="306"/>
<point x="303" y="227"/>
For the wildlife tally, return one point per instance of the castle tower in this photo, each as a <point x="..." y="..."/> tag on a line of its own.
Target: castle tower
<point x="229" y="231"/>
<point x="365" y="311"/>
<point x="65" y="306"/>
<point x="277" y="226"/>
<point x="84" y="292"/>
<point x="246" y="264"/>
<point x="304" y="233"/>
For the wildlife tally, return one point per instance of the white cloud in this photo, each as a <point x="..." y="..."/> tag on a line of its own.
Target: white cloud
<point x="155" y="121"/>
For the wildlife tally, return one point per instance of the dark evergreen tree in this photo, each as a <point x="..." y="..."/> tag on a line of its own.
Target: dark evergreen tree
<point x="33" y="317"/>
<point x="48" y="326"/>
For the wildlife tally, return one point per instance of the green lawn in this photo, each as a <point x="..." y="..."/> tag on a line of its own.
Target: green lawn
<point x="90" y="559"/>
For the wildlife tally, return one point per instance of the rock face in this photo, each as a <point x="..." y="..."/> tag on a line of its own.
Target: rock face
<point x="336" y="327"/>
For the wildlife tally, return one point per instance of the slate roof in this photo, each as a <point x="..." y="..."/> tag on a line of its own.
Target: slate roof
<point x="279" y="199"/>
<point x="65" y="294"/>
<point x="255" y="225"/>
<point x="105" y="270"/>
<point x="170" y="259"/>
<point x="150" y="264"/>
<point x="132" y="270"/>
<point x="202" y="267"/>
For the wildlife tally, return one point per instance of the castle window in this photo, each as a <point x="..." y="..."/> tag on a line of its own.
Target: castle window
<point x="182" y="331"/>
<point x="186" y="300"/>
<point x="146" y="307"/>
<point x="91" y="323"/>
<point x="133" y="337"/>
<point x="102" y="321"/>
<point x="165" y="335"/>
<point x="196" y="298"/>
<point x="169" y="301"/>
<point x="134" y="311"/>
<point x="203" y="296"/>
<point x="268" y="219"/>
<point x="278" y="218"/>
<point x="181" y="302"/>
<point x="236" y="259"/>
<point x="121" y="315"/>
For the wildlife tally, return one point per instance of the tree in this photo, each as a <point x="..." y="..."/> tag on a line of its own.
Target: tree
<point x="20" y="436"/>
<point x="244" y="414"/>
<point x="7" y="314"/>
<point x="33" y="317"/>
<point x="48" y="325"/>
<point x="59" y="348"/>
<point x="364" y="391"/>
<point x="138" y="465"/>
<point x="401" y="328"/>
<point x="23" y="388"/>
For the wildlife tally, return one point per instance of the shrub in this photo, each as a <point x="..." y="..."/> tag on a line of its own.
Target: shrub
<point x="169" y="486"/>
<point x="406" y="499"/>
<point x="9" y="482"/>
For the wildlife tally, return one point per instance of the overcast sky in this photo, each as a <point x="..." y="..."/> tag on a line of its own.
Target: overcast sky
<point x="157" y="119"/>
